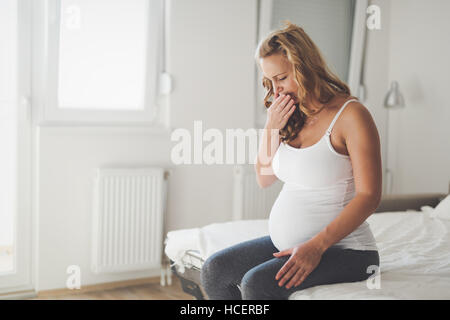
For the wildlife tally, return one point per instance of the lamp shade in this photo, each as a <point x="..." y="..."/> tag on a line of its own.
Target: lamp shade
<point x="394" y="98"/>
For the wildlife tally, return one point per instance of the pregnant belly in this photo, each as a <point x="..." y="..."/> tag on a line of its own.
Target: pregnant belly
<point x="293" y="220"/>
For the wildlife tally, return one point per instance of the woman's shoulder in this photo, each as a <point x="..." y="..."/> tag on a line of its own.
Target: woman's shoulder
<point x="355" y="108"/>
<point x="355" y="117"/>
<point x="339" y="102"/>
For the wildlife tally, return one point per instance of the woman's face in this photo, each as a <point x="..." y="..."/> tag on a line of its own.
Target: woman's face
<point x="277" y="69"/>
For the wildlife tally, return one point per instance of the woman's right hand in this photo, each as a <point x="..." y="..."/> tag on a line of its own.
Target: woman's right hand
<point x="279" y="112"/>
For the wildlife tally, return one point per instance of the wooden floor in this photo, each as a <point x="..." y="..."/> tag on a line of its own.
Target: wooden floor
<point x="150" y="291"/>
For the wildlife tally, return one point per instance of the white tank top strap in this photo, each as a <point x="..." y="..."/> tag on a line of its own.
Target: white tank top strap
<point x="337" y="116"/>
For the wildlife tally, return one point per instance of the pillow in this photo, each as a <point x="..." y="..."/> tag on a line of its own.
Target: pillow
<point x="442" y="210"/>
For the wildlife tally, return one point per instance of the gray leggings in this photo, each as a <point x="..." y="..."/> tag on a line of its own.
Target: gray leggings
<point x="252" y="266"/>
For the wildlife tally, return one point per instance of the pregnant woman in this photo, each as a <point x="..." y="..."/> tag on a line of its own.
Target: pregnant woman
<point x="324" y="145"/>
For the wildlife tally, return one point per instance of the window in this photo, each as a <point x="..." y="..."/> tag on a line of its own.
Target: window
<point x="101" y="61"/>
<point x="16" y="259"/>
<point x="336" y="27"/>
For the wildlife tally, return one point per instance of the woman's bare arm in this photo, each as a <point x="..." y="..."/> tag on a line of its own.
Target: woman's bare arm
<point x="277" y="116"/>
<point x="363" y="145"/>
<point x="263" y="166"/>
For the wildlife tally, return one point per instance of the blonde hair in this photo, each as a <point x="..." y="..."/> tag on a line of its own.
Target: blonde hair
<point x="311" y="73"/>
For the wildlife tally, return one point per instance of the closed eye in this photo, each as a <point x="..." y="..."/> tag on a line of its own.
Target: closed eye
<point x="283" y="78"/>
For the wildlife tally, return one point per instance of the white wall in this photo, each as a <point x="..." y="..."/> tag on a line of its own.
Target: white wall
<point x="419" y="51"/>
<point x="412" y="47"/>
<point x="375" y="71"/>
<point x="211" y="59"/>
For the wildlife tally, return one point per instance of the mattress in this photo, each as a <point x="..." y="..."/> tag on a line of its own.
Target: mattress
<point x="414" y="248"/>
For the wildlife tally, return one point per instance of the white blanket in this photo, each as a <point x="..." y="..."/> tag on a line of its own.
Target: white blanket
<point x="414" y="250"/>
<point x="211" y="238"/>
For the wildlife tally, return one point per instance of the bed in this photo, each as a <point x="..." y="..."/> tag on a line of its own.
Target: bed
<point x="413" y="238"/>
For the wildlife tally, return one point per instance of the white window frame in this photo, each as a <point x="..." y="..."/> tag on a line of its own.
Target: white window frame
<point x="20" y="283"/>
<point x="356" y="52"/>
<point x="46" y="23"/>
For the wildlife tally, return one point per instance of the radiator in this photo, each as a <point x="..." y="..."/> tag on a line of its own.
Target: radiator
<point x="128" y="219"/>
<point x="250" y="201"/>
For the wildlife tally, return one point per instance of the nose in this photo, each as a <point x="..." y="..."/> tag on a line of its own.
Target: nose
<point x="278" y="91"/>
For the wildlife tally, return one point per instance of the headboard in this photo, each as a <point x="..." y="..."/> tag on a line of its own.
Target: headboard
<point x="403" y="202"/>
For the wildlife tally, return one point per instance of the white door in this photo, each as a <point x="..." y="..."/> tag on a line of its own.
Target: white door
<point x="15" y="142"/>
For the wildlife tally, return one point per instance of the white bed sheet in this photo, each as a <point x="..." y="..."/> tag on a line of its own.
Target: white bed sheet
<point x="211" y="238"/>
<point x="414" y="250"/>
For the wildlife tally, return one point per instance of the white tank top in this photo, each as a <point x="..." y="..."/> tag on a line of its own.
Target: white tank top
<point x="318" y="184"/>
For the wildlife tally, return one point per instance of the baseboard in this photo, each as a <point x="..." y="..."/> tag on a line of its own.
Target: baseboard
<point x="19" y="295"/>
<point x="98" y="287"/>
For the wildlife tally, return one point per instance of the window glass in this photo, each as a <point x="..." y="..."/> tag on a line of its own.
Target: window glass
<point x="102" y="54"/>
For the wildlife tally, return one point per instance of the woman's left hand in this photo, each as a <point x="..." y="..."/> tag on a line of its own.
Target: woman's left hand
<point x="304" y="259"/>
